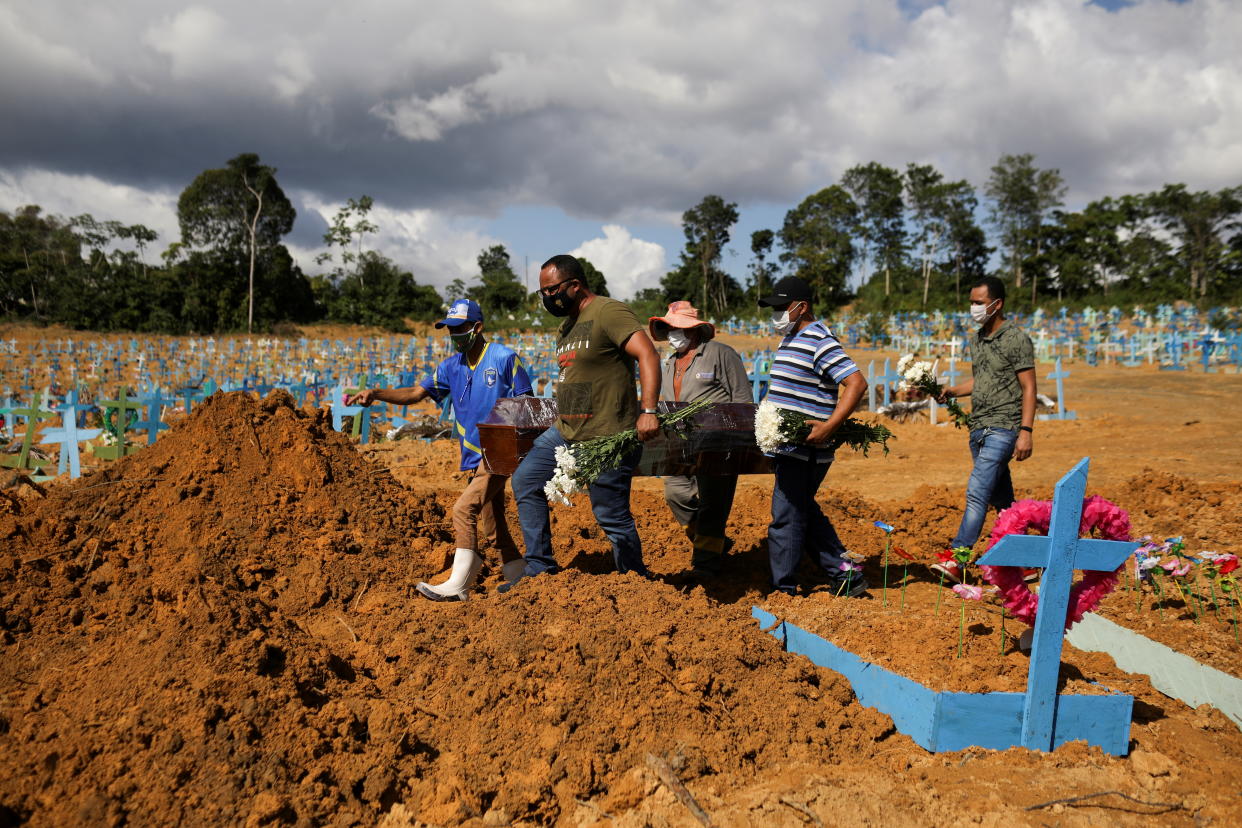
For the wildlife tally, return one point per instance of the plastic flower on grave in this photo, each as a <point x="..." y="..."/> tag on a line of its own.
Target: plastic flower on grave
<point x="944" y="555"/>
<point x="1226" y="564"/>
<point x="961" y="554"/>
<point x="968" y="593"/>
<point x="856" y="557"/>
<point x="901" y="553"/>
<point x="847" y="566"/>
<point x="1144" y="563"/>
<point x="1176" y="568"/>
<point x="887" y="529"/>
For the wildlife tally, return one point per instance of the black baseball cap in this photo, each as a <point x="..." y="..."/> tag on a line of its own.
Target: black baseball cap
<point x="787" y="291"/>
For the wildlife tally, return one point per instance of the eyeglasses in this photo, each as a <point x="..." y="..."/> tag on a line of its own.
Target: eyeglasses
<point x="545" y="291"/>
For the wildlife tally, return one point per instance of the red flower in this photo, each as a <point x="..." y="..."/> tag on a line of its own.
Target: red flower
<point x="945" y="556"/>
<point x="1228" y="566"/>
<point x="897" y="550"/>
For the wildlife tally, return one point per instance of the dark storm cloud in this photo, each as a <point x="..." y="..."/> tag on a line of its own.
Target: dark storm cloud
<point x="610" y="112"/>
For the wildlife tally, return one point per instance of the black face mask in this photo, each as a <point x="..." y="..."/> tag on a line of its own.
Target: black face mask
<point x="559" y="303"/>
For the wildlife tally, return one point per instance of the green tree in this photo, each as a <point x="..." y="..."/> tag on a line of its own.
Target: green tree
<point x="928" y="198"/>
<point x="1199" y="222"/>
<point x="967" y="243"/>
<point x="818" y="244"/>
<point x="238" y="212"/>
<point x="379" y="294"/>
<point x="762" y="271"/>
<point x="349" y="226"/>
<point x="707" y="227"/>
<point x="1023" y="197"/>
<point x="499" y="290"/>
<point x="880" y="221"/>
<point x="595" y="279"/>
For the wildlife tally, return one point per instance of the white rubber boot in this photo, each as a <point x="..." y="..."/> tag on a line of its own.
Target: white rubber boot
<point x="466" y="566"/>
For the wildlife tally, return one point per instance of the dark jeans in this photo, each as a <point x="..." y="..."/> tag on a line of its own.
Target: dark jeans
<point x="799" y="524"/>
<point x="989" y="481"/>
<point x="610" y="501"/>
<point x="702" y="504"/>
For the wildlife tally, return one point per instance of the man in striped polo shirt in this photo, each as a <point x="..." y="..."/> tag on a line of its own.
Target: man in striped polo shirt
<point x="813" y="375"/>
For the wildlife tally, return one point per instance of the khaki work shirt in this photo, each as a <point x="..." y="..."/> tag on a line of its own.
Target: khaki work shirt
<point x="715" y="373"/>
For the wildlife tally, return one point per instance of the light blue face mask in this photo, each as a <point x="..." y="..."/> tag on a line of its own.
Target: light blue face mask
<point x="679" y="340"/>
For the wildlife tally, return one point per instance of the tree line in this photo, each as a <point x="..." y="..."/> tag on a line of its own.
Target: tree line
<point x="915" y="240"/>
<point x="229" y="271"/>
<point x="911" y="239"/>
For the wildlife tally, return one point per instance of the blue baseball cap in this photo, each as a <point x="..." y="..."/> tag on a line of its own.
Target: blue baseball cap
<point x="461" y="312"/>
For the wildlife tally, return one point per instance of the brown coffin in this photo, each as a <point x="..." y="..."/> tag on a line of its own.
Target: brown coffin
<point x="718" y="441"/>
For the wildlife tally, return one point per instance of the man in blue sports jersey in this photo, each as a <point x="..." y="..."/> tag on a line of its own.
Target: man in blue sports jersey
<point x="811" y="374"/>
<point x="473" y="378"/>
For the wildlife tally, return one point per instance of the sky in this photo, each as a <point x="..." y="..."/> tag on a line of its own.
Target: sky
<point x="552" y="126"/>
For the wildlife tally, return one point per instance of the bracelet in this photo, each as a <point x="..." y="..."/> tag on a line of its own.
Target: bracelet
<point x="649" y="411"/>
<point x="1027" y="429"/>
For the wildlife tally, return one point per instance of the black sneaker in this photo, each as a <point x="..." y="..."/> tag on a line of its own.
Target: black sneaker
<point x="847" y="588"/>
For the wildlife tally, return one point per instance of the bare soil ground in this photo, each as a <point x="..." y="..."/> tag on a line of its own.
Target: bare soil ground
<point x="221" y="629"/>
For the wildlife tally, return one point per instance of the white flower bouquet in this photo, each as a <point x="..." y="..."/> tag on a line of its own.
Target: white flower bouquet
<point x="578" y="466"/>
<point x="776" y="426"/>
<point x="920" y="375"/>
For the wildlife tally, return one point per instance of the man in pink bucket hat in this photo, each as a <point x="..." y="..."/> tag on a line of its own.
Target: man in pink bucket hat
<point x="699" y="367"/>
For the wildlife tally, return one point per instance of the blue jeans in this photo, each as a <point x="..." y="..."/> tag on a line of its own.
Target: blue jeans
<point x="989" y="482"/>
<point x="799" y="524"/>
<point x="610" y="501"/>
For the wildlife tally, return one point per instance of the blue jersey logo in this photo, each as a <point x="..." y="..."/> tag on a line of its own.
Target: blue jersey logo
<point x="491" y="377"/>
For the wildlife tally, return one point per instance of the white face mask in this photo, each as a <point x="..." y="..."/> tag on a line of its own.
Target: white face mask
<point x="782" y="323"/>
<point x="980" y="313"/>
<point x="678" y="340"/>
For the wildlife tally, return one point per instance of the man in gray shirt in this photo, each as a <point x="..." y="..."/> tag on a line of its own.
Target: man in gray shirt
<point x="1002" y="416"/>
<point x="699" y="367"/>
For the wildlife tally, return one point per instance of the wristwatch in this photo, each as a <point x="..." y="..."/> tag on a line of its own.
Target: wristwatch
<point x="649" y="411"/>
<point x="1027" y="429"/>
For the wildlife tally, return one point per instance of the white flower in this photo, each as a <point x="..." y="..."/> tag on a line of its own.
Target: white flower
<point x="563" y="484"/>
<point x="768" y="426"/>
<point x="904" y="363"/>
<point x="917" y="374"/>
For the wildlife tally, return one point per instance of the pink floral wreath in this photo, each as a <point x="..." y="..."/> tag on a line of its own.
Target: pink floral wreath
<point x="1099" y="517"/>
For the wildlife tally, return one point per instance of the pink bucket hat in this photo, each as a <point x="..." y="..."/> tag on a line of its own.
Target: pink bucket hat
<point x="680" y="315"/>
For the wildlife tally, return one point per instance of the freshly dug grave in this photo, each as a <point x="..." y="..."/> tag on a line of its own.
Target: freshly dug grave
<point x="218" y="629"/>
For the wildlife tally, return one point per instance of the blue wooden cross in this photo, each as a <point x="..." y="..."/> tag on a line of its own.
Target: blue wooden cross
<point x="23" y="459"/>
<point x="760" y="377"/>
<point x="1059" y="554"/>
<point x="1174" y="346"/>
<point x="340" y="410"/>
<point x="69" y="435"/>
<point x="1206" y="346"/>
<point x="153" y="425"/>
<point x="1061" y="414"/>
<point x="888" y="378"/>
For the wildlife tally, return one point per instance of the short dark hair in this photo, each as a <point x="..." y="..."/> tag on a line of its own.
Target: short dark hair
<point x="568" y="266"/>
<point x="996" y="288"/>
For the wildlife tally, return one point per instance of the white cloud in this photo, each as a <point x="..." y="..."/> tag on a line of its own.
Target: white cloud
<point x="435" y="247"/>
<point x="629" y="264"/>
<point x="72" y="195"/>
<point x="614" y="111"/>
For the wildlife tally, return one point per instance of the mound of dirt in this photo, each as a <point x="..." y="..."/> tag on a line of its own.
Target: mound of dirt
<point x="218" y="630"/>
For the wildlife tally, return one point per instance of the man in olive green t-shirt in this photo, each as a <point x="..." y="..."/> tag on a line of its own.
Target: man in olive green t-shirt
<point x="600" y="342"/>
<point x="1002" y="411"/>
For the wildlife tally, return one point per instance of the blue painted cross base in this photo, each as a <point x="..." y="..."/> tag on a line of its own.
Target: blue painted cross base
<point x="1040" y="718"/>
